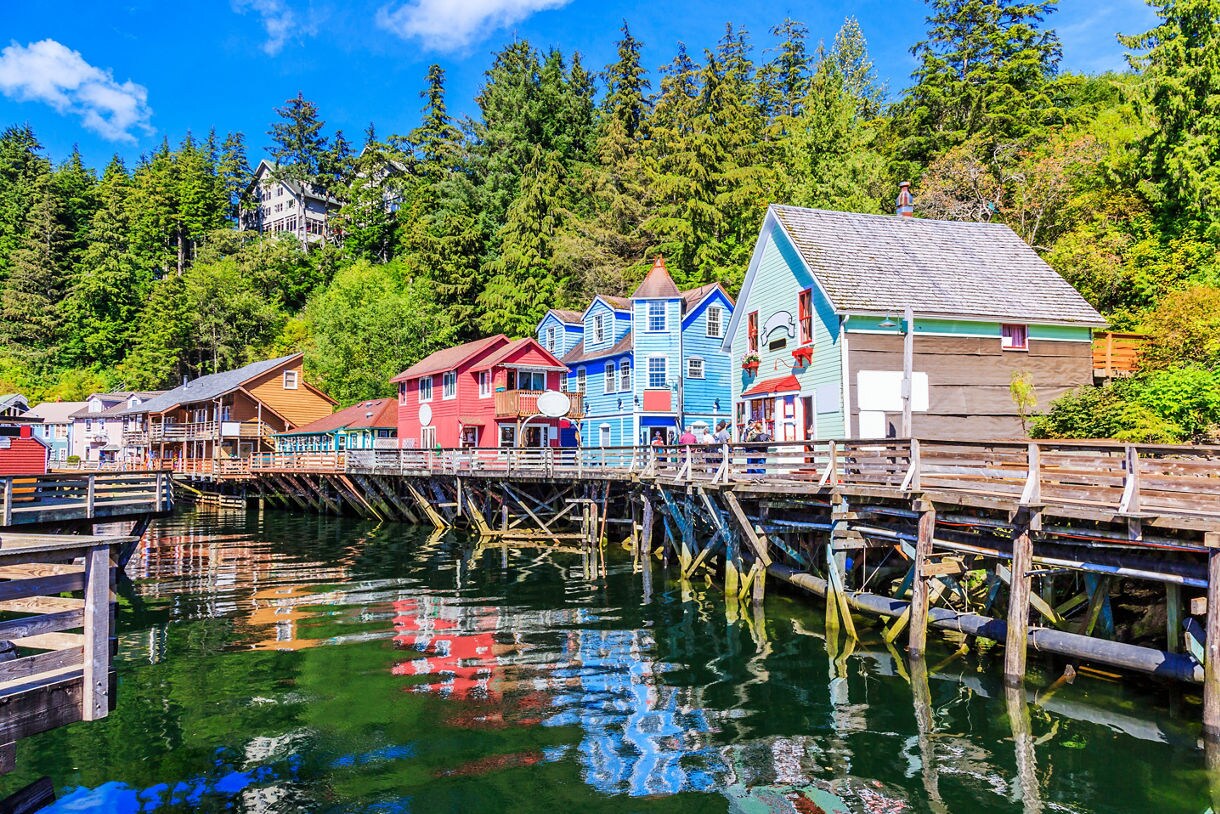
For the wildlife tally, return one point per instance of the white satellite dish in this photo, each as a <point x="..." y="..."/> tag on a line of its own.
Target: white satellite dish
<point x="554" y="404"/>
<point x="425" y="415"/>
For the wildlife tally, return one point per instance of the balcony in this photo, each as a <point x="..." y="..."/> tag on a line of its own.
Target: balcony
<point x="208" y="431"/>
<point x="135" y="438"/>
<point x="524" y="403"/>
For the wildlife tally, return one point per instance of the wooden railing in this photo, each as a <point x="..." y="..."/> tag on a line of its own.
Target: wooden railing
<point x="207" y="431"/>
<point x="62" y="670"/>
<point x="63" y="497"/>
<point x="1116" y="354"/>
<point x="1124" y="479"/>
<point x="524" y="403"/>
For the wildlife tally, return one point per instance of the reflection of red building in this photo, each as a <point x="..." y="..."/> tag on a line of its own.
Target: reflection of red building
<point x="454" y="646"/>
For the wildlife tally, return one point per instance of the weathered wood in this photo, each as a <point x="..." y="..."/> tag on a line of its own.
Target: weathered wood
<point x="1018" y="600"/>
<point x="918" y="637"/>
<point x="1211" y="662"/>
<point x="98" y="585"/>
<point x="51" y="661"/>
<point x="747" y="528"/>
<point x="1173" y="618"/>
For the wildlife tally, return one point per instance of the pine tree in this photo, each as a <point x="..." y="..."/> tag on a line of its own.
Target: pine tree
<point x="299" y="146"/>
<point x="76" y="187"/>
<point x="198" y="204"/>
<point x="437" y="142"/>
<point x="30" y="316"/>
<point x="233" y="169"/>
<point x="22" y="165"/>
<point x="784" y="80"/>
<point x="1181" y="99"/>
<point x="853" y="63"/>
<point x="627" y="88"/>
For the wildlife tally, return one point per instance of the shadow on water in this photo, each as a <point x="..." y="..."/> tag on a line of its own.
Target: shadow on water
<point x="277" y="663"/>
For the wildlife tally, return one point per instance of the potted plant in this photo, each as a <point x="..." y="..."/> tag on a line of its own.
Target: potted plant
<point x="803" y="356"/>
<point x="750" y="362"/>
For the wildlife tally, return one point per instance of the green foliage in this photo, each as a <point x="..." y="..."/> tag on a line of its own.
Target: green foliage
<point x="369" y="324"/>
<point x="1024" y="396"/>
<point x="1104" y="412"/>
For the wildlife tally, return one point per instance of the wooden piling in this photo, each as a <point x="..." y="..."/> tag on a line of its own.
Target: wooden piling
<point x="1018" y="599"/>
<point x="1211" y="660"/>
<point x="918" y="641"/>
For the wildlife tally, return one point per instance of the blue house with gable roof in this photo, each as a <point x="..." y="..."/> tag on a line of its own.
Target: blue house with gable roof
<point x="649" y="363"/>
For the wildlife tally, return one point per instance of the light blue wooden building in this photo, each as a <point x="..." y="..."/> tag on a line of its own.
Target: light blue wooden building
<point x="848" y="324"/>
<point x="647" y="364"/>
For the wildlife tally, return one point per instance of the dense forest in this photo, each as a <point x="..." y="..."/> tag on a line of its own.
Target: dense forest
<point x="568" y="181"/>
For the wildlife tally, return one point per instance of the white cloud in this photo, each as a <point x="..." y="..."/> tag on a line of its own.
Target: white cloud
<point x="50" y="72"/>
<point x="280" y="22"/>
<point x="451" y="25"/>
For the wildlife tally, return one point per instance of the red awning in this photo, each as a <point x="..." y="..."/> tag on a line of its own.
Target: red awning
<point x="783" y="384"/>
<point x="472" y="421"/>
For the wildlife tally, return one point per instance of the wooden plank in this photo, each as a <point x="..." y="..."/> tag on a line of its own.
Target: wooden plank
<point x="747" y="528"/>
<point x="1018" y="600"/>
<point x="918" y="635"/>
<point x="41" y="586"/>
<point x="28" y="666"/>
<point x="51" y="641"/>
<point x="28" y="570"/>
<point x="45" y="623"/>
<point x="43" y="604"/>
<point x="1211" y="644"/>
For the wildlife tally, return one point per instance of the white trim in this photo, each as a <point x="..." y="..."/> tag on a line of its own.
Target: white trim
<point x="446" y="377"/>
<point x="296" y="379"/>
<point x="702" y="368"/>
<point x="648" y="329"/>
<point x="594" y="301"/>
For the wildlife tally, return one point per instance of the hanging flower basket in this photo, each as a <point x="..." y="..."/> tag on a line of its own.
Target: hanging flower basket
<point x="751" y="362"/>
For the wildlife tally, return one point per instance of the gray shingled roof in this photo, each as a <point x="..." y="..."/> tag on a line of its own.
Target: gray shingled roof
<point x="884" y="263"/>
<point x="210" y="386"/>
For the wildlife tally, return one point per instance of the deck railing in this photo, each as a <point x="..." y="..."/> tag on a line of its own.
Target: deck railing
<point x="1126" y="479"/>
<point x="63" y="497"/>
<point x="524" y="403"/>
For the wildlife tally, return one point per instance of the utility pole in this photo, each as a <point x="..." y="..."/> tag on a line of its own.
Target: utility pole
<point x="908" y="364"/>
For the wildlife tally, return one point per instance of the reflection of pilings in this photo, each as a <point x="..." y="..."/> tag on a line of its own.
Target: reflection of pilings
<point x="1023" y="743"/>
<point x="925" y="724"/>
<point x="1174" y="666"/>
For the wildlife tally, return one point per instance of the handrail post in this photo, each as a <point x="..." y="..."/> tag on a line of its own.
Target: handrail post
<point x="1130" y="502"/>
<point x="8" y="501"/>
<point x="1031" y="495"/>
<point x="90" y="489"/>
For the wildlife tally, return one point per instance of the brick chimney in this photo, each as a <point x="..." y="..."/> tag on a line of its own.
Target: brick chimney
<point x="906" y="201"/>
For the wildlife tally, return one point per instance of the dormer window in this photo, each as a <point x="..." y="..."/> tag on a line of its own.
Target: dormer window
<point x="290" y="380"/>
<point x="599" y="328"/>
<point x="715" y="322"/>
<point x="657" y="318"/>
<point x="550" y="338"/>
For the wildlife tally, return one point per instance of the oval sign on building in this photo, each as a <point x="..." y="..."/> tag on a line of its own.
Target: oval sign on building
<point x="554" y="404"/>
<point x="425" y="415"/>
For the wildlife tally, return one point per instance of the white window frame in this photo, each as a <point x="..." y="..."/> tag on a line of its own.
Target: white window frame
<point x="291" y="380"/>
<point x="610" y="375"/>
<point x="599" y="328"/>
<point x="427" y="437"/>
<point x="664" y="372"/>
<point x="649" y="315"/>
<point x="624" y="375"/>
<point x="550" y="338"/>
<point x="449" y="385"/>
<point x="690" y="368"/>
<point x="582" y="379"/>
<point x="425" y="389"/>
<point x="402" y="392"/>
<point x="1008" y="340"/>
<point x="484" y="377"/>
<point x="719" y="312"/>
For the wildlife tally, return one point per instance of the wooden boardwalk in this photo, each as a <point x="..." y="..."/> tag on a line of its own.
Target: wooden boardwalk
<point x="62" y="497"/>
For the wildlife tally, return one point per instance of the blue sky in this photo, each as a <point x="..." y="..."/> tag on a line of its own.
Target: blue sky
<point x="120" y="76"/>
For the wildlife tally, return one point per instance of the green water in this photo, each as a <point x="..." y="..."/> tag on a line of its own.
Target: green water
<point x="280" y="663"/>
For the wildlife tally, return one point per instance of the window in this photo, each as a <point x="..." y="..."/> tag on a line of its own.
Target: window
<point x="752" y="331"/>
<point x="88" y="425"/>
<point x="527" y="380"/>
<point x="290" y="380"/>
<point x="427" y="436"/>
<point x="715" y="321"/>
<point x="425" y="389"/>
<point x="599" y="328"/>
<point x="580" y="380"/>
<point x="657" y="322"/>
<point x="658" y="372"/>
<point x="1014" y="337"/>
<point x="550" y="338"/>
<point x="804" y="312"/>
<point x="449" y="384"/>
<point x="508" y="435"/>
<point x="624" y="375"/>
<point x="611" y="375"/>
<point x="694" y="368"/>
<point x="484" y="377"/>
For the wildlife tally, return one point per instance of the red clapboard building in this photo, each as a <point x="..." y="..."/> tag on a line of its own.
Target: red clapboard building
<point x="481" y="394"/>
<point x="20" y="452"/>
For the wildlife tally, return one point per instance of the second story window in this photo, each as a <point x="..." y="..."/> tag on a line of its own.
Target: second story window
<point x="599" y="328"/>
<point x="484" y="377"/>
<point x="804" y="315"/>
<point x="715" y="321"/>
<point x="449" y="384"/>
<point x="550" y="338"/>
<point x="290" y="380"/>
<point x="611" y="377"/>
<point x="580" y="380"/>
<point x="402" y="392"/>
<point x="694" y="368"/>
<point x="657" y="322"/>
<point x="658" y="372"/>
<point x="624" y="375"/>
<point x="425" y="389"/>
<point x="752" y="332"/>
<point x="1014" y="337"/>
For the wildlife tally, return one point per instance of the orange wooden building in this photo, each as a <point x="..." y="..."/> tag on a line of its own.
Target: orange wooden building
<point x="226" y="415"/>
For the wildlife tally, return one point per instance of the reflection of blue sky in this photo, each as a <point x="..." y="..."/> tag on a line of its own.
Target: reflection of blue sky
<point x="637" y="739"/>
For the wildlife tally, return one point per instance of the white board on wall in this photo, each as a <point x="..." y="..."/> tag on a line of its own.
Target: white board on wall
<point x="882" y="390"/>
<point x="872" y="424"/>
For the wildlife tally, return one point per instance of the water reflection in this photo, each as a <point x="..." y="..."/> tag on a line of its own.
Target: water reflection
<point x="270" y="663"/>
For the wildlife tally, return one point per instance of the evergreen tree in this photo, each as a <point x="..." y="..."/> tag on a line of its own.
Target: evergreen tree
<point x="76" y="187"/>
<point x="299" y="147"/>
<point x="30" y="316"/>
<point x="784" y="80"/>
<point x="22" y="166"/>
<point x="849" y="55"/>
<point x="233" y="170"/>
<point x="1181" y="99"/>
<point x="627" y="88"/>
<point x="437" y="142"/>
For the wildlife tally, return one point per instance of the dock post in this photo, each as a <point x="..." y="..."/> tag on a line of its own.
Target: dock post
<point x="1211" y="652"/>
<point x="1018" y="599"/>
<point x="1173" y="617"/>
<point x="95" y="701"/>
<point x="918" y="632"/>
<point x="647" y="521"/>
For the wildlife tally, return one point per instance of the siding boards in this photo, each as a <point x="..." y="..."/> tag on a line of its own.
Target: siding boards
<point x="300" y="406"/>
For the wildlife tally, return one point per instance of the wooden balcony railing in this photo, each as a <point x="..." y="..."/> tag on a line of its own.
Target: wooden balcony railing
<point x="207" y="431"/>
<point x="524" y="403"/>
<point x="1116" y="354"/>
